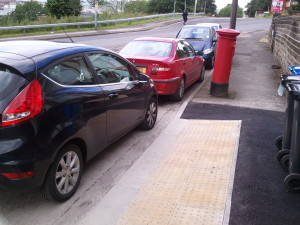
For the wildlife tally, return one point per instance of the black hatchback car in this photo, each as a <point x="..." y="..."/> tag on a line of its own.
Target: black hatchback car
<point x="60" y="105"/>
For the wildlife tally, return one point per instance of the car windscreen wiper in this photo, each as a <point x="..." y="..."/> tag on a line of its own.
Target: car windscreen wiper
<point x="200" y="39"/>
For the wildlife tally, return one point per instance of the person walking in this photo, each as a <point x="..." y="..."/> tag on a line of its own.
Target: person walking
<point x="184" y="16"/>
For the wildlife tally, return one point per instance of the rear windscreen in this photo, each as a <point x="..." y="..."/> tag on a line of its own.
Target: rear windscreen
<point x="149" y="48"/>
<point x="9" y="80"/>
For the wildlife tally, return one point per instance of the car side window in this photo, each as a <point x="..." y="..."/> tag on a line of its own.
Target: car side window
<point x="73" y="71"/>
<point x="190" y="49"/>
<point x="109" y="68"/>
<point x="182" y="50"/>
<point x="214" y="34"/>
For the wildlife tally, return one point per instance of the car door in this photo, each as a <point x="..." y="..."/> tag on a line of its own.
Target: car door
<point x="185" y="62"/>
<point x="125" y="98"/>
<point x="195" y="66"/>
<point x="74" y="103"/>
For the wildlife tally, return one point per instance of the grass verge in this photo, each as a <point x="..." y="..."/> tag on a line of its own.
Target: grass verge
<point x="41" y="31"/>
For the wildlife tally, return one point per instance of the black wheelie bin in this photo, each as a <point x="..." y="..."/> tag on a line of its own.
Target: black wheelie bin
<point x="283" y="142"/>
<point x="292" y="180"/>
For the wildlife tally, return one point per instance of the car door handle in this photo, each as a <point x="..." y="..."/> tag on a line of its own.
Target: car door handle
<point x="113" y="95"/>
<point x="184" y="63"/>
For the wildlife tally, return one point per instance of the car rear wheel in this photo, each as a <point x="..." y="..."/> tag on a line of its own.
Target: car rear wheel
<point x="178" y="96"/>
<point x="64" y="174"/>
<point x="202" y="75"/>
<point x="151" y="115"/>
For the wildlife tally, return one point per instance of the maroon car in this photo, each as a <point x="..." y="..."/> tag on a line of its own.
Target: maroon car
<point x="172" y="63"/>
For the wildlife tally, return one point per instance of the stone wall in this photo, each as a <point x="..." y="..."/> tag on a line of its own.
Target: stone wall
<point x="285" y="40"/>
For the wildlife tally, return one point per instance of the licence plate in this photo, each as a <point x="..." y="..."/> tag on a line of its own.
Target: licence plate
<point x="280" y="90"/>
<point x="142" y="69"/>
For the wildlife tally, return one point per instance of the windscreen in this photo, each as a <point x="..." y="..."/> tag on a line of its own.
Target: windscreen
<point x="195" y="32"/>
<point x="149" y="48"/>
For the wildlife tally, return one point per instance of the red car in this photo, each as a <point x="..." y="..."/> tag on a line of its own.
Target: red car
<point x="171" y="63"/>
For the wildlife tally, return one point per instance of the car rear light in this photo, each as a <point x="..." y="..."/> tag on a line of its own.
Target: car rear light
<point x="159" y="68"/>
<point x="25" y="105"/>
<point x="15" y="176"/>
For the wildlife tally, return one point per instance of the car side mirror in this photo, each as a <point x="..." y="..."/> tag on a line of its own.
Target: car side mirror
<point x="143" y="77"/>
<point x="198" y="52"/>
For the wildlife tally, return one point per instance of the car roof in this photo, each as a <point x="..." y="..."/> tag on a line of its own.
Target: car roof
<point x="160" y="39"/>
<point x="196" y="26"/>
<point x="27" y="56"/>
<point x="29" y="49"/>
<point x="208" y="24"/>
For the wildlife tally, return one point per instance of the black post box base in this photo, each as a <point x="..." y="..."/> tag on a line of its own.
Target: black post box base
<point x="219" y="90"/>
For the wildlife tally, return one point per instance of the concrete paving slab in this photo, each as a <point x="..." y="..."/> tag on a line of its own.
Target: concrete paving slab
<point x="108" y="211"/>
<point x="111" y="207"/>
<point x="191" y="184"/>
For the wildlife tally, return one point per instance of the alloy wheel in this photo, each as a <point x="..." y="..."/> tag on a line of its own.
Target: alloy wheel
<point x="181" y="88"/>
<point x="67" y="172"/>
<point x="151" y="114"/>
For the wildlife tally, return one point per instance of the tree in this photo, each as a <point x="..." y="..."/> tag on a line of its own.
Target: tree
<point x="161" y="6"/>
<point x="226" y="11"/>
<point x="60" y="8"/>
<point x="29" y="11"/>
<point x="138" y="6"/>
<point x="167" y="6"/>
<point x="296" y="7"/>
<point x="257" y="5"/>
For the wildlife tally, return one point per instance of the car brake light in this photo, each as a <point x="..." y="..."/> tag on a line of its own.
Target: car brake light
<point x="25" y="105"/>
<point x="14" y="176"/>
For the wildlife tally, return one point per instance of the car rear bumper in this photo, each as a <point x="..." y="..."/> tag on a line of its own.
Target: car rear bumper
<point x="166" y="86"/>
<point x="23" y="164"/>
<point x="38" y="168"/>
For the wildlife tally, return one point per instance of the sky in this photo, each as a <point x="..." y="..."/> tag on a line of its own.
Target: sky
<point x="222" y="3"/>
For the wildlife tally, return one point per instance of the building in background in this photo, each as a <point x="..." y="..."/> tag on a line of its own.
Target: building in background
<point x="7" y="7"/>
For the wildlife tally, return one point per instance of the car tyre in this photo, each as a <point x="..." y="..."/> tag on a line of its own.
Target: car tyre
<point x="178" y="96"/>
<point x="211" y="63"/>
<point x="151" y="115"/>
<point x="202" y="76"/>
<point x="64" y="174"/>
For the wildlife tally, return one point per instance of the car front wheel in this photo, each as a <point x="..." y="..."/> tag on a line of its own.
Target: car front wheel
<point x="64" y="174"/>
<point x="211" y="64"/>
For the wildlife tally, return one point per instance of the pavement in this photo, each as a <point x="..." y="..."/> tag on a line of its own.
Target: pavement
<point x="215" y="163"/>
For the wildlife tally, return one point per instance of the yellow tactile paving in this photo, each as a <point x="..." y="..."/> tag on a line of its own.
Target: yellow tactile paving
<point x="190" y="185"/>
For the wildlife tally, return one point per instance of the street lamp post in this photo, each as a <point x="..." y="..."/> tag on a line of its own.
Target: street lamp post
<point x="195" y="8"/>
<point x="234" y="7"/>
<point x="174" y="8"/>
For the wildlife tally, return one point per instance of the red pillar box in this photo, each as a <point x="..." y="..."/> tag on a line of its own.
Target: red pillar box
<point x="225" y="52"/>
